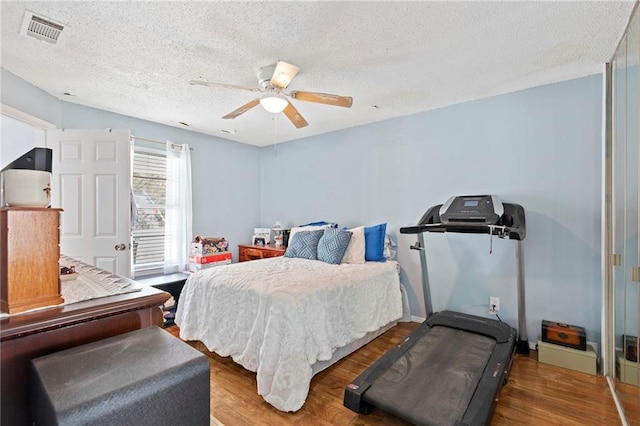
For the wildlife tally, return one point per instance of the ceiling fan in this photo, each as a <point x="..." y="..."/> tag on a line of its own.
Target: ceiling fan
<point x="272" y="80"/>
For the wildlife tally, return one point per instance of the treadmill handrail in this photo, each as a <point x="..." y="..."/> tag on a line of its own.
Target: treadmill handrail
<point x="419" y="229"/>
<point x="515" y="226"/>
<point x="460" y="227"/>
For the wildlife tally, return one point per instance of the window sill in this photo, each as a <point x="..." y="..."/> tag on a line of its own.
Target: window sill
<point x="161" y="279"/>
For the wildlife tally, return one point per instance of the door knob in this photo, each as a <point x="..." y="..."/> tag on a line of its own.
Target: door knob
<point x="120" y="247"/>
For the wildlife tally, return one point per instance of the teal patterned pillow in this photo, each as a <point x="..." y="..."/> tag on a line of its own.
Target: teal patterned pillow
<point x="333" y="244"/>
<point x="305" y="245"/>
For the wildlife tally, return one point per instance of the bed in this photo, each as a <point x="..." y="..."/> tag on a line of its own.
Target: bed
<point x="289" y="318"/>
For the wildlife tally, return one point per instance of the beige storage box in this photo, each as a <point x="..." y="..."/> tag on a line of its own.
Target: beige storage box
<point x="628" y="371"/>
<point x="573" y="359"/>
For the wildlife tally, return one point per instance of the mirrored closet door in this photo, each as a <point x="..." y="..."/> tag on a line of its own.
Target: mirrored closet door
<point x="623" y="155"/>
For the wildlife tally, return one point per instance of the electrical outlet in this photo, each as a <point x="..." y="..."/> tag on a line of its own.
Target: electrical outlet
<point x="494" y="304"/>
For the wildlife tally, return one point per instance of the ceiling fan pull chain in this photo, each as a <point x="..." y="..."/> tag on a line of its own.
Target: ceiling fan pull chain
<point x="275" y="134"/>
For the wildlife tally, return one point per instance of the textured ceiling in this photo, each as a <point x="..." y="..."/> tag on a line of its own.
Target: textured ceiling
<point x="393" y="58"/>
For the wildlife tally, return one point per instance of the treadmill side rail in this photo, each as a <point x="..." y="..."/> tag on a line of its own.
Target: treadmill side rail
<point x="354" y="398"/>
<point x="355" y="391"/>
<point x="481" y="408"/>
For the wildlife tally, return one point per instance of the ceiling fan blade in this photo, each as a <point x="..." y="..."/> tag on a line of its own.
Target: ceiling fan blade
<point x="292" y="114"/>
<point x="226" y="86"/>
<point x="283" y="74"/>
<point x="244" y="108"/>
<point x="322" y="98"/>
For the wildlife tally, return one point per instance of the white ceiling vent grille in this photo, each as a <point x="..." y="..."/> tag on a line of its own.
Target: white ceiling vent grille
<point x="41" y="28"/>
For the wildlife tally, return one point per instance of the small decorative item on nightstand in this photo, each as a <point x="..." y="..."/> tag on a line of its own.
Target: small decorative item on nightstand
<point x="278" y="235"/>
<point x="277" y="238"/>
<point x="285" y="237"/>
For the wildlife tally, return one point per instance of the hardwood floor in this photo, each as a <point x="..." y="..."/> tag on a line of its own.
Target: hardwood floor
<point x="536" y="394"/>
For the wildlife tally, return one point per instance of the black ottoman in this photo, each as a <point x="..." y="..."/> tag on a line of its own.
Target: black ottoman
<point x="145" y="377"/>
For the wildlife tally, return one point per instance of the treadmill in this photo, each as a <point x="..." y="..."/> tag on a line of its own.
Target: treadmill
<point x="449" y="370"/>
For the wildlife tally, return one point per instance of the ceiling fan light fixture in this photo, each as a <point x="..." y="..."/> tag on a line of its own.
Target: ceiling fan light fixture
<point x="273" y="102"/>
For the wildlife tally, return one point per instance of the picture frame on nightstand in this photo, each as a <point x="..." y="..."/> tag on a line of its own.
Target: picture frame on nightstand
<point x="259" y="241"/>
<point x="264" y="233"/>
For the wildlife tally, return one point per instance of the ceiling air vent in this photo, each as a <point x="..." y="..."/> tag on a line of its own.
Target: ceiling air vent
<point x="41" y="28"/>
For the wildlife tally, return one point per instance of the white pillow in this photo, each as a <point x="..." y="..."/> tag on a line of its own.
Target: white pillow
<point x="355" y="249"/>
<point x="296" y="229"/>
<point x="389" y="248"/>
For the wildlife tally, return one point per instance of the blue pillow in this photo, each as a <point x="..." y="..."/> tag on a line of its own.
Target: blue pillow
<point x="305" y="245"/>
<point x="333" y="244"/>
<point x="321" y="223"/>
<point x="374" y="243"/>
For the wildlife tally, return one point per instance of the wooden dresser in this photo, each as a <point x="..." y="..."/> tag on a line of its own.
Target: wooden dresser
<point x="250" y="252"/>
<point x="29" y="255"/>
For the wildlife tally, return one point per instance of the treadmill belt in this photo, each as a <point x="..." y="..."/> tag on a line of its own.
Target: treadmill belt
<point x="433" y="382"/>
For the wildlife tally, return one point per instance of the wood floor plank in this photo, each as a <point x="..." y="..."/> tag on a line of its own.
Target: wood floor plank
<point x="536" y="393"/>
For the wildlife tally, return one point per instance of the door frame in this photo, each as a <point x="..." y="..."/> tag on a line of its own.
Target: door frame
<point x="16" y="114"/>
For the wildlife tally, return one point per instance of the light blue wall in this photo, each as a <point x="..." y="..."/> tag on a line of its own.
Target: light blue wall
<point x="16" y="139"/>
<point x="19" y="94"/>
<point x="540" y="148"/>
<point x="226" y="191"/>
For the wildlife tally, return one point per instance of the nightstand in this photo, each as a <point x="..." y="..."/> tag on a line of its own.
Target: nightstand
<point x="248" y="252"/>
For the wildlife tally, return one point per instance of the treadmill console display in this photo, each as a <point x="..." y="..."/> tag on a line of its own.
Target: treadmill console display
<point x="472" y="209"/>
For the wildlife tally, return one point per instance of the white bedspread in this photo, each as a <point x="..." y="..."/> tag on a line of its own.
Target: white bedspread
<point x="278" y="316"/>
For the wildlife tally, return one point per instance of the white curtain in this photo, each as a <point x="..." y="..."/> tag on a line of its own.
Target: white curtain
<point x="178" y="227"/>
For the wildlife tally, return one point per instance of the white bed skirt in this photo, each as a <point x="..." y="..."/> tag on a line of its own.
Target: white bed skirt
<point x="350" y="348"/>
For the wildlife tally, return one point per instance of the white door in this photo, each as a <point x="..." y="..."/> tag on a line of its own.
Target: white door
<point x="91" y="183"/>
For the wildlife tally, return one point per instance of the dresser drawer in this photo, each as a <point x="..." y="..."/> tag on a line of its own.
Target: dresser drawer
<point x="251" y="252"/>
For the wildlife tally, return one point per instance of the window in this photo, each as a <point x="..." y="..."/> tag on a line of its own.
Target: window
<point x="148" y="224"/>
